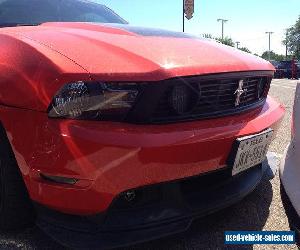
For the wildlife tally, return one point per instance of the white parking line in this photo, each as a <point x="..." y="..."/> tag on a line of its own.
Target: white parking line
<point x="282" y="86"/>
<point x="279" y="156"/>
<point x="285" y="81"/>
<point x="272" y="164"/>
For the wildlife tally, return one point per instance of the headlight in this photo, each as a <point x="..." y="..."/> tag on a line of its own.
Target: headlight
<point x="93" y="101"/>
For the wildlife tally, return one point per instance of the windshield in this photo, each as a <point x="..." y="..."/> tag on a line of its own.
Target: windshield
<point x="33" y="12"/>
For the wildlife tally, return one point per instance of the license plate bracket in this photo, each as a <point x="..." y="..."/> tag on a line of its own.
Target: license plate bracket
<point x="249" y="151"/>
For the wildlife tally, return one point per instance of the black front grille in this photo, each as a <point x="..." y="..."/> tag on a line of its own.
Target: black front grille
<point x="209" y="98"/>
<point x="199" y="97"/>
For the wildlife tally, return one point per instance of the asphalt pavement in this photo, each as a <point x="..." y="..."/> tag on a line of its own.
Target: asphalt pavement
<point x="261" y="210"/>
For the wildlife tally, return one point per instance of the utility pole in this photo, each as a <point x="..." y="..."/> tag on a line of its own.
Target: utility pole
<point x="223" y="21"/>
<point x="286" y="46"/>
<point x="183" y="12"/>
<point x="237" y="44"/>
<point x="269" y="33"/>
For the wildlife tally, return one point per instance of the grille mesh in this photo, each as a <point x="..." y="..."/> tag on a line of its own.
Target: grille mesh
<point x="211" y="98"/>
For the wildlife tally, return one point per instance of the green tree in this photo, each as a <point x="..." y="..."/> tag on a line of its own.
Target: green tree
<point x="227" y="41"/>
<point x="245" y="49"/>
<point x="293" y="39"/>
<point x="273" y="56"/>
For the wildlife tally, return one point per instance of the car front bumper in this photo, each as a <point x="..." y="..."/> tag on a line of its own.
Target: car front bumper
<point x="151" y="217"/>
<point x="109" y="159"/>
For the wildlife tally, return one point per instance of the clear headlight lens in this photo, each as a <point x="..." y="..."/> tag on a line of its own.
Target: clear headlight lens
<point x="93" y="101"/>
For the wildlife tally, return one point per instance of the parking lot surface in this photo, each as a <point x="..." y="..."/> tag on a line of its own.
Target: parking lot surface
<point x="261" y="210"/>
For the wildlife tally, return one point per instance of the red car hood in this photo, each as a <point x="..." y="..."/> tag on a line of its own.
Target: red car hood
<point x="123" y="52"/>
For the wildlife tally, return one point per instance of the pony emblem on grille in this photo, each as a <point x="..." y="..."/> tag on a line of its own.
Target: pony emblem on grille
<point x="239" y="92"/>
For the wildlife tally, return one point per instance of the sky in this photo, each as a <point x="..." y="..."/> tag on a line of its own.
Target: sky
<point x="248" y="20"/>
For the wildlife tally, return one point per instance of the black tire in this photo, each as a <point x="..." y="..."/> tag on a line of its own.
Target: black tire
<point x="16" y="209"/>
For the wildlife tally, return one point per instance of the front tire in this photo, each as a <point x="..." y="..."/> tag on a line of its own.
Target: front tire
<point x="16" y="210"/>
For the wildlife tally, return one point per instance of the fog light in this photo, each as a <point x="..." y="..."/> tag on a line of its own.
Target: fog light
<point x="130" y="195"/>
<point x="59" y="179"/>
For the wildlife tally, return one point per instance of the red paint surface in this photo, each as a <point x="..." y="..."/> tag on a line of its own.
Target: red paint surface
<point x="110" y="158"/>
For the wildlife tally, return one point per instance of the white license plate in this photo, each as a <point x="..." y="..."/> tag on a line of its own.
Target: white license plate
<point x="251" y="151"/>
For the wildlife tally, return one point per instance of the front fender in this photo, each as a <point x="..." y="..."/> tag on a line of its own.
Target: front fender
<point x="31" y="73"/>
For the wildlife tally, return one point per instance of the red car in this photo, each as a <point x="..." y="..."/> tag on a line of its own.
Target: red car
<point x="117" y="134"/>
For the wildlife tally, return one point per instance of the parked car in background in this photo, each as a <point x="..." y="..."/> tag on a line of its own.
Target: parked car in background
<point x="118" y="134"/>
<point x="274" y="63"/>
<point x="284" y="69"/>
<point x="278" y="73"/>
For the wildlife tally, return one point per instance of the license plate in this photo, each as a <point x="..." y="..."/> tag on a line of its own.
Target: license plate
<point x="251" y="151"/>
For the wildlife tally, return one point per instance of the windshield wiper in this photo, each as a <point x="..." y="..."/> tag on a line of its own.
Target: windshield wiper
<point x="2" y="25"/>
